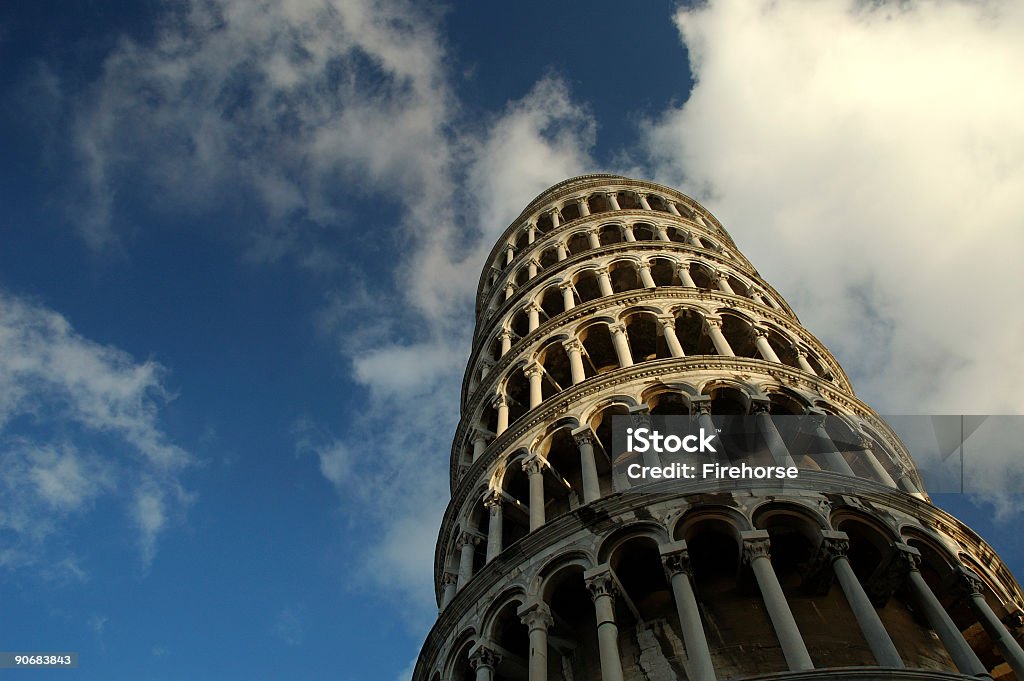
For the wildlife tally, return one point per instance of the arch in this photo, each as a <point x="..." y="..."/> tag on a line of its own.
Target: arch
<point x="570" y="210"/>
<point x="664" y="272"/>
<point x="738" y="331"/>
<point x="644" y="231"/>
<point x="628" y="200"/>
<point x="585" y="283"/>
<point x="599" y="354"/>
<point x="554" y="361"/>
<point x="610" y="233"/>
<point x="613" y="543"/>
<point x="644" y="335"/>
<point x="598" y="203"/>
<point x="578" y="243"/>
<point x="552" y="302"/>
<point x="624" y="275"/>
<point x="691" y="330"/>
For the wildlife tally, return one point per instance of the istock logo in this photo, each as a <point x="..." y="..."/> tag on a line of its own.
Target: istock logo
<point x="645" y="439"/>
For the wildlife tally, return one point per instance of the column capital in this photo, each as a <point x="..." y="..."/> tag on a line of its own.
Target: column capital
<point x="449" y="578"/>
<point x="493" y="498"/>
<point x="601" y="582"/>
<point x="667" y="320"/>
<point x="470" y="537"/>
<point x="640" y="416"/>
<point x="498" y="401"/>
<point x="721" y="274"/>
<point x="534" y="463"/>
<point x="572" y="344"/>
<point x="675" y="558"/>
<point x="968" y="582"/>
<point x="532" y="369"/>
<point x="484" y="657"/>
<point x="798" y="351"/>
<point x="505" y="333"/>
<point x="892" y="573"/>
<point x="758" y="331"/>
<point x="584" y="436"/>
<point x="760" y="405"/>
<point x="536" y="616"/>
<point x="530" y="307"/>
<point x="644" y="265"/>
<point x="756" y="544"/>
<point x="617" y="328"/>
<point x="565" y="285"/>
<point x="713" y="322"/>
<point x="832" y="547"/>
<point x="685" y="265"/>
<point x="702" y="405"/>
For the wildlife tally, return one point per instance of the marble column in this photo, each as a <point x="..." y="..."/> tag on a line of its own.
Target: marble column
<point x="603" y="590"/>
<point x="585" y="438"/>
<point x="479" y="444"/>
<point x="756" y="553"/>
<point x="963" y="657"/>
<point x="560" y="251"/>
<point x="763" y="346"/>
<point x="568" y="298"/>
<point x="537" y="618"/>
<point x="506" y="342"/>
<point x="500" y="403"/>
<point x="449" y="581"/>
<point x="532" y="316"/>
<point x="535" y="375"/>
<point x="661" y="233"/>
<point x="534" y="466"/>
<point x="668" y="330"/>
<point x="583" y="206"/>
<point x="556" y="218"/>
<point x="613" y="200"/>
<point x="627" y="234"/>
<point x="484" y="661"/>
<point x="642" y="198"/>
<point x="620" y="341"/>
<point x="671" y="205"/>
<point x="676" y="560"/>
<point x="770" y="434"/>
<point x="833" y="458"/>
<point x="722" y="279"/>
<point x="971" y="587"/>
<point x="801" y="359"/>
<point x="467" y="549"/>
<point x="832" y="552"/>
<point x="645" y="275"/>
<point x="604" y="282"/>
<point x="684" y="276"/>
<point x="593" y="239"/>
<point x="574" y="349"/>
<point x="714" y="328"/>
<point x="493" y="500"/>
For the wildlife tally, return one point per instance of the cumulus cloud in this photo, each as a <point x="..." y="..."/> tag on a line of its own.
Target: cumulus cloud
<point x="78" y="422"/>
<point x="869" y="157"/>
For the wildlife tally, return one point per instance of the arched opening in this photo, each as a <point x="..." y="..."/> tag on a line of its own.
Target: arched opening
<point x="738" y="287"/>
<point x="598" y="352"/>
<point x="702" y="276"/>
<point x="643" y="231"/>
<point x="515" y="510"/>
<point x="678" y="235"/>
<point x="520" y="325"/>
<point x="549" y="257"/>
<point x="651" y="624"/>
<point x="691" y="332"/>
<point x="517" y="391"/>
<point x="564" y="478"/>
<point x="544" y="224"/>
<point x="738" y="332"/>
<point x="598" y="203"/>
<point x="624" y="276"/>
<point x="826" y="623"/>
<point x="684" y="210"/>
<point x="601" y="424"/>
<point x="572" y="641"/>
<point x="819" y="367"/>
<point x="663" y="271"/>
<point x="628" y="201"/>
<point x="462" y="670"/>
<point x="578" y="243"/>
<point x="645" y="339"/>
<point x="732" y="604"/>
<point x="512" y="639"/>
<point x="557" y="374"/>
<point x="552" y="302"/>
<point x="657" y="203"/>
<point x="570" y="211"/>
<point x="586" y="285"/>
<point x="783" y="348"/>
<point x="522" y="276"/>
<point x="729" y="406"/>
<point x="610" y="234"/>
<point x="668" y="403"/>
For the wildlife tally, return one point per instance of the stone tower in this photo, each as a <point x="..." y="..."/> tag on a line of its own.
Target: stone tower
<point x="615" y="297"/>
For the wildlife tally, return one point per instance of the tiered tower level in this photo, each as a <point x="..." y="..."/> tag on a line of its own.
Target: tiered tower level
<point x="610" y="296"/>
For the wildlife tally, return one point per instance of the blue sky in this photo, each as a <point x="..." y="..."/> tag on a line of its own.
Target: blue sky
<point x="239" y="243"/>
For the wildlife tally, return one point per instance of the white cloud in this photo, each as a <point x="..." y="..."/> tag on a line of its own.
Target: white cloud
<point x="64" y="400"/>
<point x="869" y="158"/>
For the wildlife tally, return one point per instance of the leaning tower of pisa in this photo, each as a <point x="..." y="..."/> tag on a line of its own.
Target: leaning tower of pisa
<point x="611" y="297"/>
